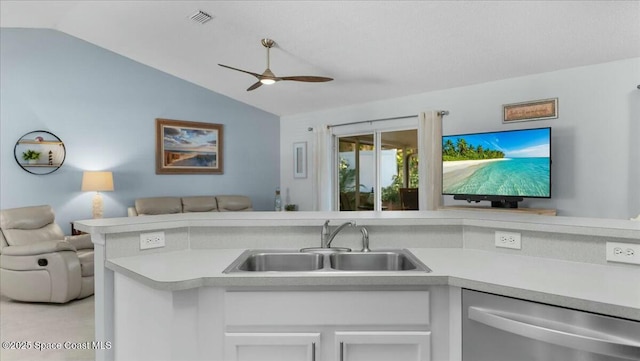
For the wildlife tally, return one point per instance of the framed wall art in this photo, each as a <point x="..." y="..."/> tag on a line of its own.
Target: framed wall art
<point x="184" y="147"/>
<point x="300" y="160"/>
<point x="532" y="110"/>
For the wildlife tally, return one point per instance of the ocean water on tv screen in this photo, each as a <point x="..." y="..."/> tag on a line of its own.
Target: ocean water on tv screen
<point x="528" y="177"/>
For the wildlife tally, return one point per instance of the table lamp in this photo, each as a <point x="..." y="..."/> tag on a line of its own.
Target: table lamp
<point x="97" y="182"/>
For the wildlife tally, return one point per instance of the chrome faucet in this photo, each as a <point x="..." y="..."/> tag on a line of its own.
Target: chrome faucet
<point x="328" y="236"/>
<point x="365" y="240"/>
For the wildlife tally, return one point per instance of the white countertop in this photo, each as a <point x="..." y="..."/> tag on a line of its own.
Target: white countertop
<point x="610" y="290"/>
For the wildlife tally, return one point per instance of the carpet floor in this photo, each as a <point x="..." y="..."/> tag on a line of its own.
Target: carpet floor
<point x="33" y="325"/>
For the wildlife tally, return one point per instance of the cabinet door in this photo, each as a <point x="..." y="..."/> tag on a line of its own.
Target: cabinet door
<point x="271" y="346"/>
<point x="383" y="346"/>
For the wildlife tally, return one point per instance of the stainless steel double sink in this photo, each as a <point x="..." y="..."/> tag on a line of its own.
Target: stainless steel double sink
<point x="396" y="260"/>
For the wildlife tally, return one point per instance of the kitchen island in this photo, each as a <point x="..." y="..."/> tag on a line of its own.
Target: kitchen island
<point x="191" y="303"/>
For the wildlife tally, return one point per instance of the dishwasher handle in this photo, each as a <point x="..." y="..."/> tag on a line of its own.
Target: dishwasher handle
<point x="566" y="335"/>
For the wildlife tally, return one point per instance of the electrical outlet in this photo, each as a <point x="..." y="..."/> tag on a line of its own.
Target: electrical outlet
<point x="508" y="240"/>
<point x="151" y="240"/>
<point x="623" y="252"/>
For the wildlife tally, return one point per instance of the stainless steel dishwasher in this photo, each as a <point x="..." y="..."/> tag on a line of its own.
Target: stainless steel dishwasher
<point x="497" y="328"/>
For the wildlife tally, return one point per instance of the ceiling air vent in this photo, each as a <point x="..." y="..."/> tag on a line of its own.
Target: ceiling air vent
<point x="200" y="17"/>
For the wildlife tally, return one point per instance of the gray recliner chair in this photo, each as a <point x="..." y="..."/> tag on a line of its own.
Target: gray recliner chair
<point x="38" y="263"/>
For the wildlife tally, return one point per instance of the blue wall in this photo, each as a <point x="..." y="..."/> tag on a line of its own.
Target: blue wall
<point x="103" y="106"/>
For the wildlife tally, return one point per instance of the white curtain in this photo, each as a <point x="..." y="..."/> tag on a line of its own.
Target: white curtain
<point x="430" y="154"/>
<point x="323" y="155"/>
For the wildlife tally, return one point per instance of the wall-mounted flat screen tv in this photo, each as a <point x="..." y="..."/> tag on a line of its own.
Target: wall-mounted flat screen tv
<point x="503" y="167"/>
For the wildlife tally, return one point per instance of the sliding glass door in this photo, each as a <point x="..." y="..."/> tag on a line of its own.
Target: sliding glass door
<point x="378" y="171"/>
<point x="399" y="170"/>
<point x="356" y="172"/>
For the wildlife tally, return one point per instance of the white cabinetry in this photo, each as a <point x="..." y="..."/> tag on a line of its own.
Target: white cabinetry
<point x="271" y="346"/>
<point x="348" y="346"/>
<point x="217" y="324"/>
<point x="328" y="325"/>
<point x="383" y="346"/>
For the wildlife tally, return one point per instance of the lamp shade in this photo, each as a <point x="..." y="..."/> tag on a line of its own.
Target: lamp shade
<point x="97" y="181"/>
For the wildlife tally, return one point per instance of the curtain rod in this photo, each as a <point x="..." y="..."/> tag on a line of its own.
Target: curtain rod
<point x="440" y="113"/>
<point x="371" y="121"/>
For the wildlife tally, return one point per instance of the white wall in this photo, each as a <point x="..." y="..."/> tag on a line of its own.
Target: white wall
<point x="595" y="151"/>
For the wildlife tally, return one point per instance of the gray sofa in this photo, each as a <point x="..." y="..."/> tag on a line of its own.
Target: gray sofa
<point x="170" y="205"/>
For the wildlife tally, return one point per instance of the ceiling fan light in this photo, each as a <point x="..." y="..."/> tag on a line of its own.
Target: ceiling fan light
<point x="267" y="77"/>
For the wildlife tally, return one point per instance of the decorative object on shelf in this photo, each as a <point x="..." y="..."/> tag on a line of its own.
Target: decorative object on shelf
<point x="300" y="160"/>
<point x="97" y="182"/>
<point x="532" y="110"/>
<point x="184" y="147"/>
<point x="31" y="145"/>
<point x="291" y="207"/>
<point x="277" y="201"/>
<point x="31" y="156"/>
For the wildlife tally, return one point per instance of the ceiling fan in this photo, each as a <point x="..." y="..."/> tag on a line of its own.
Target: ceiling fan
<point x="267" y="77"/>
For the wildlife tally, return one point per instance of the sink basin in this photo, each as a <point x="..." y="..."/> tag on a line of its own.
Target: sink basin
<point x="277" y="261"/>
<point x="374" y="261"/>
<point x="296" y="261"/>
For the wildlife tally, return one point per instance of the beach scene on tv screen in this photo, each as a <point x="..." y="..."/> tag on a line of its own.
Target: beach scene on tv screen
<point x="513" y="163"/>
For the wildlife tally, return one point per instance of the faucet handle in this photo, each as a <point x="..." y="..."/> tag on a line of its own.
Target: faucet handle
<point x="365" y="240"/>
<point x="325" y="228"/>
<point x="324" y="234"/>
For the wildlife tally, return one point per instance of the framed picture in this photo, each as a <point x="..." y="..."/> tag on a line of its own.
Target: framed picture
<point x="300" y="160"/>
<point x="533" y="110"/>
<point x="184" y="147"/>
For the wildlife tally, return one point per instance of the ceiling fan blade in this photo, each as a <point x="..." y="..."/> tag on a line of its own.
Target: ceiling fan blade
<point x="256" y="85"/>
<point x="244" y="71"/>
<point x="311" y="79"/>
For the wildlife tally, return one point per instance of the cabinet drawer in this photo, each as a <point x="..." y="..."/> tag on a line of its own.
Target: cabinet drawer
<point x="271" y="346"/>
<point x="327" y="308"/>
<point x="389" y="345"/>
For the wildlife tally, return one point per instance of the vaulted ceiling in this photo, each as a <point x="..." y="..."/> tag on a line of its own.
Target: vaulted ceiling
<point x="374" y="49"/>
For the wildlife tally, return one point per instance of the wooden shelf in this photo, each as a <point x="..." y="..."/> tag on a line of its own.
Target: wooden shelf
<point x="539" y="211"/>
<point x="37" y="142"/>
<point x="40" y="165"/>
